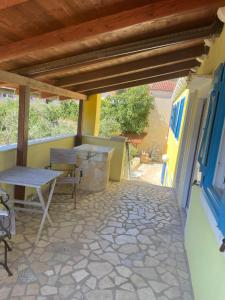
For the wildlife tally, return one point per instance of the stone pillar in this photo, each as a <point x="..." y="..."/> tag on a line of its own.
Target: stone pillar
<point x="91" y="115"/>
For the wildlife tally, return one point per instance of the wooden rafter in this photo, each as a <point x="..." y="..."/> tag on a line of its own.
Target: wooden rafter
<point x="136" y="76"/>
<point x="139" y="82"/>
<point x="120" y="50"/>
<point x="134" y="66"/>
<point x="39" y="86"/>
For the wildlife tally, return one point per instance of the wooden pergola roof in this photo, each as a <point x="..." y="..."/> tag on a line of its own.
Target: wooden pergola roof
<point x="94" y="46"/>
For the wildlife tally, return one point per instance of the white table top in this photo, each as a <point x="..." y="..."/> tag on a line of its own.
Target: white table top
<point x="29" y="177"/>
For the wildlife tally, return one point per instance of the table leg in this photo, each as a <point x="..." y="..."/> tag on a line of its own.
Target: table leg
<point x="45" y="209"/>
<point x="41" y="198"/>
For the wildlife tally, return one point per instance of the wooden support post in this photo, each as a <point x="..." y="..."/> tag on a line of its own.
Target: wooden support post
<point x="78" y="140"/>
<point x="22" y="141"/>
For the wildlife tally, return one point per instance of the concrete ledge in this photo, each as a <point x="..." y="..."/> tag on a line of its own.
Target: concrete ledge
<point x="36" y="142"/>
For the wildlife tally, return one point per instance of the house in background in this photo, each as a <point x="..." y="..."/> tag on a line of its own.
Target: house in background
<point x="154" y="141"/>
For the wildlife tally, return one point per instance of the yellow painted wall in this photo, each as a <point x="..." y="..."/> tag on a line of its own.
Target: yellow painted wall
<point x="207" y="264"/>
<point x="215" y="57"/>
<point x="38" y="153"/>
<point x="117" y="164"/>
<point x="157" y="130"/>
<point x="91" y="115"/>
<point x="173" y="146"/>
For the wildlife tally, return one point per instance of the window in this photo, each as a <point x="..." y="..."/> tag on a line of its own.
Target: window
<point x="219" y="177"/>
<point x="212" y="150"/>
<point x="176" y="117"/>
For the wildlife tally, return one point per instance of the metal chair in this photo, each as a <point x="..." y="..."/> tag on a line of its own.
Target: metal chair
<point x="5" y="230"/>
<point x="66" y="160"/>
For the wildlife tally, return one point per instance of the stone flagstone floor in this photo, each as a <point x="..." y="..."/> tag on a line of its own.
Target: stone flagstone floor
<point x="123" y="244"/>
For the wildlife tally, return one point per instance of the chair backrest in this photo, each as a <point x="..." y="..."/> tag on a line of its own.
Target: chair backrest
<point x="63" y="156"/>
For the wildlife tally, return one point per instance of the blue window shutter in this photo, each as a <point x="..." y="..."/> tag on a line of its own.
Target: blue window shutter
<point x="209" y="149"/>
<point x="179" y="119"/>
<point x="221" y="219"/>
<point x="171" y="118"/>
<point x="176" y="115"/>
<point x="207" y="135"/>
<point x="203" y="153"/>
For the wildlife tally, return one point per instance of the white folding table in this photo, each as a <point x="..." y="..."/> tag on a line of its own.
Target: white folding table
<point x="33" y="178"/>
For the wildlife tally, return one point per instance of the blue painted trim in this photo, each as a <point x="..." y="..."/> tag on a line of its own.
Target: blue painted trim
<point x="163" y="173"/>
<point x="176" y="117"/>
<point x="179" y="120"/>
<point x="210" y="146"/>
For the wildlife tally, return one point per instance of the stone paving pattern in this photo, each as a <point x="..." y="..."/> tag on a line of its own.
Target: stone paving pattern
<point x="125" y="244"/>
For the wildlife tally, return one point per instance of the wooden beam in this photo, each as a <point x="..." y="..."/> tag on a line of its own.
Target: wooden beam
<point x="139" y="82"/>
<point x="22" y="140"/>
<point x="121" y="50"/>
<point x="134" y="66"/>
<point x="153" y="11"/>
<point x="136" y="76"/>
<point x="78" y="138"/>
<point x="39" y="86"/>
<point x="9" y="3"/>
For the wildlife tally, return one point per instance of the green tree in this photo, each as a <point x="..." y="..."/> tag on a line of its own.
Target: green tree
<point x="129" y="108"/>
<point x="69" y="110"/>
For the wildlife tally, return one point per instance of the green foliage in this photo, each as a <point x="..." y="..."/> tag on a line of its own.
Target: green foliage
<point x="8" y="121"/>
<point x="128" y="109"/>
<point x="69" y="110"/>
<point x="45" y="119"/>
<point x="109" y="127"/>
<point x="133" y="151"/>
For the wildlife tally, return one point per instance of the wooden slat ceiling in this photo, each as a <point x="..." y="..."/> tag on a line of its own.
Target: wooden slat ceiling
<point x="93" y="46"/>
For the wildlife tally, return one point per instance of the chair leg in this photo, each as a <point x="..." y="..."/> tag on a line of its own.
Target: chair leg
<point x="5" y="263"/>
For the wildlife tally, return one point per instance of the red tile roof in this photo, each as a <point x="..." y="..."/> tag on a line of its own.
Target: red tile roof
<point x="167" y="85"/>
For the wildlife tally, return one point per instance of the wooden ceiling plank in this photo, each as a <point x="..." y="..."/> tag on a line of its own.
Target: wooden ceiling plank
<point x="149" y="80"/>
<point x="136" y="76"/>
<point x="38" y="85"/>
<point x="9" y="3"/>
<point x="134" y="66"/>
<point x="120" y="50"/>
<point x="150" y="12"/>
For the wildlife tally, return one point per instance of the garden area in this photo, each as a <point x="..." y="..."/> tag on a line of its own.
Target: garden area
<point x="123" y="112"/>
<point x="46" y="119"/>
<point x="126" y="111"/>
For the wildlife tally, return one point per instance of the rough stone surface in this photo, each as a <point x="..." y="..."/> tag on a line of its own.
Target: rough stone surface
<point x="122" y="244"/>
<point x="48" y="290"/>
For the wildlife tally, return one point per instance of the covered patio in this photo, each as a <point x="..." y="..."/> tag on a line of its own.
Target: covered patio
<point x="124" y="243"/>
